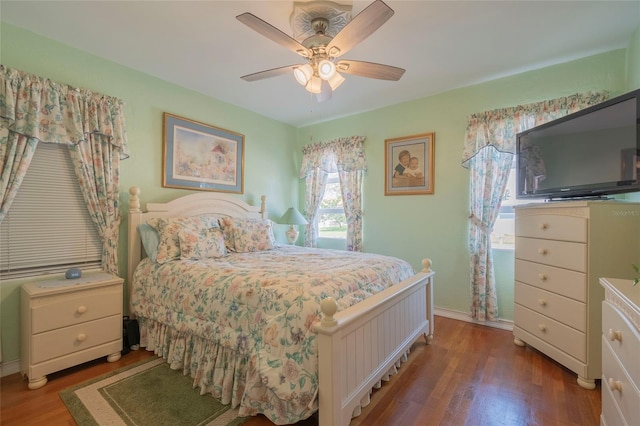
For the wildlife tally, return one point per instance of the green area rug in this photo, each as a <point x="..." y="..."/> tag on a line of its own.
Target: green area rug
<point x="146" y="393"/>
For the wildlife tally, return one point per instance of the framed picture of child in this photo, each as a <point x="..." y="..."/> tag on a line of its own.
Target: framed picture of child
<point x="408" y="164"/>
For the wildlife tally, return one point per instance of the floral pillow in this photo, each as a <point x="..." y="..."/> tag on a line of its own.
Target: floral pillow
<point x="168" y="228"/>
<point x="246" y="235"/>
<point x="204" y="244"/>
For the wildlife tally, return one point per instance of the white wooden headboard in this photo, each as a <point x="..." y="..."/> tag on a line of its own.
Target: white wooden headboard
<point x="189" y="205"/>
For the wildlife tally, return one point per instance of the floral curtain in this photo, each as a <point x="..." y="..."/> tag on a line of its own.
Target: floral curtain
<point x="488" y="153"/>
<point x="343" y="155"/>
<point x="35" y="109"/>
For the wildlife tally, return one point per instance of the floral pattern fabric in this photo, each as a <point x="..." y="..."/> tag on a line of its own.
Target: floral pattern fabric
<point x="35" y="109"/>
<point x="201" y="244"/>
<point x="242" y="325"/>
<point x="169" y="229"/>
<point x="245" y="235"/>
<point x="488" y="153"/>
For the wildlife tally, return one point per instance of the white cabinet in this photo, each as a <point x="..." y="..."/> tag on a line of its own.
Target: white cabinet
<point x="620" y="352"/>
<point x="68" y="322"/>
<point x="562" y="249"/>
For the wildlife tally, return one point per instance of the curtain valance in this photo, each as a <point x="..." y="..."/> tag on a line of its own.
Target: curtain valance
<point x="52" y="112"/>
<point x="498" y="127"/>
<point x="346" y="154"/>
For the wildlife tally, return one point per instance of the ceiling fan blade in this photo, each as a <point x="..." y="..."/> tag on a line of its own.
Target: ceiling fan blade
<point x="370" y="70"/>
<point x="272" y="33"/>
<point x="274" y="72"/>
<point x="362" y="26"/>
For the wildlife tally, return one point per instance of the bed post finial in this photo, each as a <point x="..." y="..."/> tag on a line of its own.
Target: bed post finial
<point x="329" y="307"/>
<point x="134" y="201"/>
<point x="426" y="265"/>
<point x="263" y="206"/>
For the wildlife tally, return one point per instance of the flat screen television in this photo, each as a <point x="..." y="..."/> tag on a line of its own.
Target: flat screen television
<point x="594" y="152"/>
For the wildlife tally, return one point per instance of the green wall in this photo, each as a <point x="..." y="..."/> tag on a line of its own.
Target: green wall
<point x="410" y="227"/>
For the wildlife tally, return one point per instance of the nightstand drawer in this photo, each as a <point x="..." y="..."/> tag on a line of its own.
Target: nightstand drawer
<point x="61" y="310"/>
<point x="71" y="339"/>
<point x="565" y="282"/>
<point x="565" y="338"/>
<point x="623" y="338"/>
<point x="552" y="227"/>
<point x="555" y="253"/>
<point x="567" y="311"/>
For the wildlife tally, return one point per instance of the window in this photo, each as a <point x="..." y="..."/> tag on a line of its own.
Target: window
<point x="48" y="228"/>
<point x="332" y="222"/>
<point x="503" y="235"/>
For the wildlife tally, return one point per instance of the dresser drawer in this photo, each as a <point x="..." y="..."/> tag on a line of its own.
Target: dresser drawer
<point x="63" y="341"/>
<point x="555" y="253"/>
<point x="623" y="338"/>
<point x="623" y="391"/>
<point x="611" y="415"/>
<point x="565" y="282"/>
<point x="61" y="310"/>
<point x="565" y="338"/>
<point x="552" y="227"/>
<point x="567" y="311"/>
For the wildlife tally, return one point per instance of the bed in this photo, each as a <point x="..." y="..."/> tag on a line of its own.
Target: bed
<point x="278" y="329"/>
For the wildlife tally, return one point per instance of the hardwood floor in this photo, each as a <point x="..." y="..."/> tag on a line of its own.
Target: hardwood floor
<point x="469" y="375"/>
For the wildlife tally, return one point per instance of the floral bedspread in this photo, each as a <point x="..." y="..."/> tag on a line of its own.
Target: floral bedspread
<point x="261" y="307"/>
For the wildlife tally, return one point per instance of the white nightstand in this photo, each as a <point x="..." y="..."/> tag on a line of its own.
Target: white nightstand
<point x="68" y="322"/>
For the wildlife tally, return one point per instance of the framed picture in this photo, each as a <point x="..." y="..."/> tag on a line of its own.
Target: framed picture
<point x="408" y="165"/>
<point x="199" y="156"/>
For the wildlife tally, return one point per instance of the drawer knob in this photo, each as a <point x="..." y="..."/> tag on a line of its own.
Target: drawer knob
<point x="615" y="335"/>
<point x="542" y="251"/>
<point x="81" y="309"/>
<point x="542" y="277"/>
<point x="542" y="327"/>
<point x="543" y="226"/>
<point x="542" y="302"/>
<point x="81" y="337"/>
<point x="615" y="385"/>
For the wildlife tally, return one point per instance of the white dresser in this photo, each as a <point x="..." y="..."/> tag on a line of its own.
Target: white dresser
<point x="620" y="353"/>
<point x="68" y="322"/>
<point x="562" y="249"/>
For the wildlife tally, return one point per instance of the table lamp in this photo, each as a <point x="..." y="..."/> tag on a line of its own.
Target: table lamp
<point x="293" y="217"/>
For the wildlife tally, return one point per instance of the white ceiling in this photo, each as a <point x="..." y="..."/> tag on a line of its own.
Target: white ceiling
<point x="442" y="45"/>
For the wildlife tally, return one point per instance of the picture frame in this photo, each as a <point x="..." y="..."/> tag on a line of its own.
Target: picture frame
<point x="413" y="174"/>
<point x="200" y="156"/>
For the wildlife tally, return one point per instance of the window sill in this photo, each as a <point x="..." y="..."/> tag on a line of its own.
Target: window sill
<point x="503" y="247"/>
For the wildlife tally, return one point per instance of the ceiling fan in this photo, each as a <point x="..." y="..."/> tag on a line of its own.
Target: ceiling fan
<point x="321" y="72"/>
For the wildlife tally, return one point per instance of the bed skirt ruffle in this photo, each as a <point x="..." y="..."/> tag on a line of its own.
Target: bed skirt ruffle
<point x="221" y="372"/>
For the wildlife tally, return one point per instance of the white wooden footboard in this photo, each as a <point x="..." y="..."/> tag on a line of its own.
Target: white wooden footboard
<point x="357" y="346"/>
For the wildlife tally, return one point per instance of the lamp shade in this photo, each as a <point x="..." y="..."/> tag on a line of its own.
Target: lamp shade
<point x="293" y="217"/>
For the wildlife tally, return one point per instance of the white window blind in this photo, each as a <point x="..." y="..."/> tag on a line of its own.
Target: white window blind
<point x="48" y="228"/>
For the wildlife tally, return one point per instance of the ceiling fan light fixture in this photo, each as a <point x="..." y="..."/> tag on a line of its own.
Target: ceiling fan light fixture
<point x="335" y="81"/>
<point x="326" y="69"/>
<point x="303" y="74"/>
<point x="314" y="85"/>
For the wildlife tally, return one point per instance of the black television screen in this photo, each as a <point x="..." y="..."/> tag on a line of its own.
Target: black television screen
<point x="591" y="153"/>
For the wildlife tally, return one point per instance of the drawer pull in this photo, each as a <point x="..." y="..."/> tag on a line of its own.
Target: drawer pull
<point x="543" y="226"/>
<point x="542" y="302"/>
<point x="81" y="337"/>
<point x="615" y="385"/>
<point x="615" y="335"/>
<point x="81" y="309"/>
<point x="542" y="277"/>
<point x="542" y="251"/>
<point x="542" y="327"/>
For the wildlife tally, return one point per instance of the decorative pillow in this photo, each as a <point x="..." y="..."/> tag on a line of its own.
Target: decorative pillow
<point x="252" y="235"/>
<point x="226" y="224"/>
<point x="206" y="243"/>
<point x="150" y="240"/>
<point x="168" y="228"/>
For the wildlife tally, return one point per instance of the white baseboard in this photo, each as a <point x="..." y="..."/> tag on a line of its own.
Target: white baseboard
<point x="464" y="316"/>
<point x="9" y="368"/>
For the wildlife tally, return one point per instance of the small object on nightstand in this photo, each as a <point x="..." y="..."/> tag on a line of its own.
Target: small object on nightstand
<point x="73" y="273"/>
<point x="293" y="217"/>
